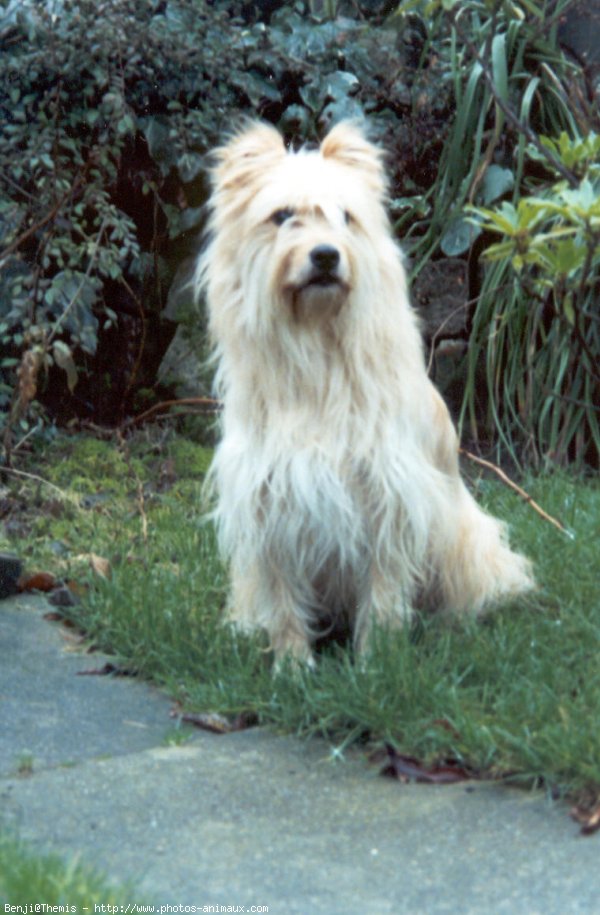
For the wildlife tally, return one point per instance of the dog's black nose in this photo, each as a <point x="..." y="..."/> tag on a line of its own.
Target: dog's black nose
<point x="325" y="258"/>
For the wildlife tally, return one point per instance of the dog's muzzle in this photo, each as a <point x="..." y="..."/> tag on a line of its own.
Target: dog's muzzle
<point x="322" y="285"/>
<point x="325" y="262"/>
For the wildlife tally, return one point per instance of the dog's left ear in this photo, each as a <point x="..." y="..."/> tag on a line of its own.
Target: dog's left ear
<point x="346" y="143"/>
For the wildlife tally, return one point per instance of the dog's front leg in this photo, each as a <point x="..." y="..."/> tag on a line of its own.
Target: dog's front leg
<point x="262" y="599"/>
<point x="385" y="602"/>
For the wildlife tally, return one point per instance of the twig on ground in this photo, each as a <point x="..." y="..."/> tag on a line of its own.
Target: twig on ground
<point x="518" y="489"/>
<point x="210" y="402"/>
<point x="37" y="479"/>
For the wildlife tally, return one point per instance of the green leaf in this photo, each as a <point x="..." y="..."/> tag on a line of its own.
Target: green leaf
<point x="568" y="255"/>
<point x="496" y="182"/>
<point x="584" y="200"/>
<point x="504" y="220"/>
<point x="257" y="87"/>
<point x="459" y="236"/>
<point x="531" y="211"/>
<point x="333" y="88"/>
<point x="160" y="146"/>
<point x="189" y="166"/>
<point x="126" y="125"/>
<point x="568" y="310"/>
<point x="340" y="84"/>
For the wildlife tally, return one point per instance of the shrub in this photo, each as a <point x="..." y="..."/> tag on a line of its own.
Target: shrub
<point x="107" y="113"/>
<point x="532" y="377"/>
<point x="541" y="346"/>
<point x="83" y="251"/>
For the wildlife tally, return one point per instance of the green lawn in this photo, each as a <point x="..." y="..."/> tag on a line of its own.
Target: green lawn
<point x="516" y="696"/>
<point x="30" y="878"/>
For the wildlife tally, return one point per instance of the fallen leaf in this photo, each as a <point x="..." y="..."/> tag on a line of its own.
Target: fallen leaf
<point x="214" y="722"/>
<point x="37" y="581"/>
<point x="53" y="617"/>
<point x="410" y="769"/>
<point x="588" y="818"/>
<point x="100" y="566"/>
<point x="209" y="721"/>
<point x="107" y="670"/>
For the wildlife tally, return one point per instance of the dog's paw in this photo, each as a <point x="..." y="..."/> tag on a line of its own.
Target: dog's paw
<point x="295" y="655"/>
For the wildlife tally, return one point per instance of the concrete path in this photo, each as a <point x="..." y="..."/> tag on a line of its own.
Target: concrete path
<point x="254" y="819"/>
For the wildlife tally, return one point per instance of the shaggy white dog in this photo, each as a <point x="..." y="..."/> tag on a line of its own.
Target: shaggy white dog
<point x="337" y="476"/>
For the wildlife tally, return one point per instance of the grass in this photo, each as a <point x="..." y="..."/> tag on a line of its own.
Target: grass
<point x="516" y="696"/>
<point x="30" y="878"/>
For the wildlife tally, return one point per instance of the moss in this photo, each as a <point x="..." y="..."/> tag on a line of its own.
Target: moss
<point x="84" y="465"/>
<point x="190" y="459"/>
<point x="110" y="491"/>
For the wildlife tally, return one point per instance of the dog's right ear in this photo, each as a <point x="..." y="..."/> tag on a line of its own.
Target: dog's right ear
<point x="246" y="157"/>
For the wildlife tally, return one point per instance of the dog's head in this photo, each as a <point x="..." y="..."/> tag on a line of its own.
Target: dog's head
<point x="302" y="228"/>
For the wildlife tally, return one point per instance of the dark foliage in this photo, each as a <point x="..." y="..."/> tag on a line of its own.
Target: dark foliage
<point x="108" y="110"/>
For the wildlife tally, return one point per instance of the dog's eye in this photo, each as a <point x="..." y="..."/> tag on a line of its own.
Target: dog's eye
<point x="349" y="218"/>
<point x="280" y="216"/>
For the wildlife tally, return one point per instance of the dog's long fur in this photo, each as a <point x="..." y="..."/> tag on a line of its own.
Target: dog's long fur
<point x="337" y="475"/>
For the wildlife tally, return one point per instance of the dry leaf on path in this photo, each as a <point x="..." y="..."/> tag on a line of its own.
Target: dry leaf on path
<point x="409" y="769"/>
<point x="214" y="722"/>
<point x="588" y="818"/>
<point x="37" y="581"/>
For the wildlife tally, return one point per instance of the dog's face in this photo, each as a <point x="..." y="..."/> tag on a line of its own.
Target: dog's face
<point x="312" y="251"/>
<point x="303" y="222"/>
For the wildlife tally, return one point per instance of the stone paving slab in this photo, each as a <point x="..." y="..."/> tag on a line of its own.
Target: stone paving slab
<point x="54" y="713"/>
<point x="255" y="819"/>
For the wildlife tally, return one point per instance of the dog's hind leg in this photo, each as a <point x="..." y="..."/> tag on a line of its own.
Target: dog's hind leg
<point x="472" y="565"/>
<point x="475" y="566"/>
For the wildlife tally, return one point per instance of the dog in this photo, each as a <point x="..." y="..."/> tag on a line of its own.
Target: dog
<point x="338" y="491"/>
